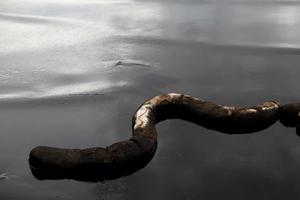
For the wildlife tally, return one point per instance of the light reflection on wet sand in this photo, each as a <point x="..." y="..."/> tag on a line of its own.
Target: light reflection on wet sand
<point x="233" y="53"/>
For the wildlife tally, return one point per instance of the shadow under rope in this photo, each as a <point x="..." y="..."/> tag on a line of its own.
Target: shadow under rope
<point x="126" y="157"/>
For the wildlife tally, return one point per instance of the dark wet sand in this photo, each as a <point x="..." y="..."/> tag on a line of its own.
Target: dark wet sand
<point x="48" y="99"/>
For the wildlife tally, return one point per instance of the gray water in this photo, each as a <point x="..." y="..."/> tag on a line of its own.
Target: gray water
<point x="62" y="84"/>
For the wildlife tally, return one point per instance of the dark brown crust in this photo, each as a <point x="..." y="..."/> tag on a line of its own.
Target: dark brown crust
<point x="290" y="114"/>
<point x="128" y="156"/>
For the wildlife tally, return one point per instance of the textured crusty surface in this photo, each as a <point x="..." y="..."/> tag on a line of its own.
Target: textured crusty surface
<point x="127" y="156"/>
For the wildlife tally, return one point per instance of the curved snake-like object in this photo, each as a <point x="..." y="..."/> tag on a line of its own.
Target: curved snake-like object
<point x="128" y="156"/>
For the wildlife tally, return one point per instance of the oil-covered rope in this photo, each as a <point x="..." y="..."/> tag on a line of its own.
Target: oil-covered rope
<point x="125" y="157"/>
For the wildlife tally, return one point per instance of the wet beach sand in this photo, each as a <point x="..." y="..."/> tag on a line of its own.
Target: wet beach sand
<point x="72" y="74"/>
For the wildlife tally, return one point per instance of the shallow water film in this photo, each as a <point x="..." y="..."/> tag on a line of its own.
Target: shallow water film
<point x="73" y="72"/>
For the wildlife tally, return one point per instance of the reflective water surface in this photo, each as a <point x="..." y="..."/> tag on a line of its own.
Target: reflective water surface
<point x="73" y="72"/>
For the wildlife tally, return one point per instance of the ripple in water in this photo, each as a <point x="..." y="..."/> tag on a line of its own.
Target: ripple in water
<point x="47" y="84"/>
